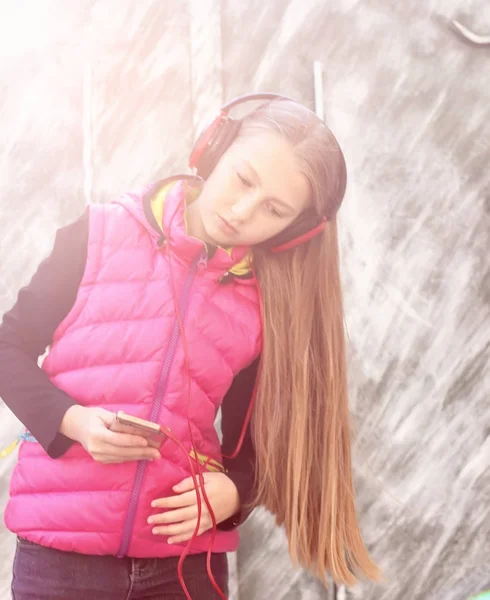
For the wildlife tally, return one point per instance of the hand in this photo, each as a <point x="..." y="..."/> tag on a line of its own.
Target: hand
<point x="104" y="438"/>
<point x="181" y="520"/>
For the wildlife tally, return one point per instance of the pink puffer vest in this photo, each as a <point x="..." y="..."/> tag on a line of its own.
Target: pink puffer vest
<point x="119" y="348"/>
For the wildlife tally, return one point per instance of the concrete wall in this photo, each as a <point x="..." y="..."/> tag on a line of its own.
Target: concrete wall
<point x="100" y="96"/>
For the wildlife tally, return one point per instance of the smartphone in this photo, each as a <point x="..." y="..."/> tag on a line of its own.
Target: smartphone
<point x="153" y="428"/>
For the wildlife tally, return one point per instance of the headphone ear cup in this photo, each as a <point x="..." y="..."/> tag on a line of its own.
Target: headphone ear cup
<point x="300" y="231"/>
<point x="212" y="143"/>
<point x="204" y="139"/>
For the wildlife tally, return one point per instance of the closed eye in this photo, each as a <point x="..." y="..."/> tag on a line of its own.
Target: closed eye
<point x="273" y="211"/>
<point x="246" y="182"/>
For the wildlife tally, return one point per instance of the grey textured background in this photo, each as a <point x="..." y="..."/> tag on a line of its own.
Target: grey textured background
<point x="98" y="96"/>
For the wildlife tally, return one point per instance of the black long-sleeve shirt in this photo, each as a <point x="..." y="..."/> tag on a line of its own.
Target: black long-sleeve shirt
<point x="28" y="329"/>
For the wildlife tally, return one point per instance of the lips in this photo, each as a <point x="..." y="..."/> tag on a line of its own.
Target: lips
<point x="226" y="225"/>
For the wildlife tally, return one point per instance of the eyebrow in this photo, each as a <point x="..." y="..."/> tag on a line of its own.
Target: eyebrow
<point x="272" y="198"/>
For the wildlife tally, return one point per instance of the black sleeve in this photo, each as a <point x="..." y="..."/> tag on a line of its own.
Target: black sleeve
<point x="27" y="330"/>
<point x="241" y="470"/>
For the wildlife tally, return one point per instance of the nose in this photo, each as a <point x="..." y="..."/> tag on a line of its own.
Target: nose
<point x="244" y="208"/>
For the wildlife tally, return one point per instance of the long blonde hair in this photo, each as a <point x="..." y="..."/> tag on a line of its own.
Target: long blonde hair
<point x="300" y="423"/>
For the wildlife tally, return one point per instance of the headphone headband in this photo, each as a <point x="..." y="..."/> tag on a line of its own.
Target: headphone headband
<point x="251" y="98"/>
<point x="225" y="109"/>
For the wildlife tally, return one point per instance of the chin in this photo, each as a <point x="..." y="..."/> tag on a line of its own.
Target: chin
<point x="216" y="238"/>
<point x="223" y="241"/>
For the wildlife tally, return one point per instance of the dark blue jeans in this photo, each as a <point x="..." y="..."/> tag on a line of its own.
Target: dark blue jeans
<point x="44" y="574"/>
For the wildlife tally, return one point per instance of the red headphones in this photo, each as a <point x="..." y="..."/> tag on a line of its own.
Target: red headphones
<point x="218" y="136"/>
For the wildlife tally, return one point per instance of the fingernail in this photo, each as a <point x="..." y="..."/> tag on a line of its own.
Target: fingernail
<point x="169" y="542"/>
<point x="154" y="530"/>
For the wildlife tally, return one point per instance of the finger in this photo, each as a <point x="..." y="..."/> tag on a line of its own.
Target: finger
<point x="112" y="458"/>
<point x="123" y="439"/>
<point x="174" y="516"/>
<point x="178" y="539"/>
<point x="185" y="528"/>
<point x="186" y="485"/>
<point x="154" y="443"/>
<point x="152" y="440"/>
<point x="180" y="501"/>
<point x="107" y="459"/>
<point x="125" y="453"/>
<point x="132" y="430"/>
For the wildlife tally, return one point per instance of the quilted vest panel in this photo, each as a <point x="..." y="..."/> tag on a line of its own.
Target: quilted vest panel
<point x="119" y="348"/>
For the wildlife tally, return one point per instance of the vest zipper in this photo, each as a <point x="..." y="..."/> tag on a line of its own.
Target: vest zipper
<point x="200" y="261"/>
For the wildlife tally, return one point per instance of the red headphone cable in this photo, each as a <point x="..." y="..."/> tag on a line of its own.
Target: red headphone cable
<point x="200" y="475"/>
<point x="233" y="455"/>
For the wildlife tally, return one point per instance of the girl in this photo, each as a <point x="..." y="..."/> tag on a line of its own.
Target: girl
<point x="151" y="305"/>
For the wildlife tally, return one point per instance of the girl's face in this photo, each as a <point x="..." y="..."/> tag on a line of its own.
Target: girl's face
<point x="255" y="191"/>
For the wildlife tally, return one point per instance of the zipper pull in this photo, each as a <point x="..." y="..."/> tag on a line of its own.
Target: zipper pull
<point x="203" y="259"/>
